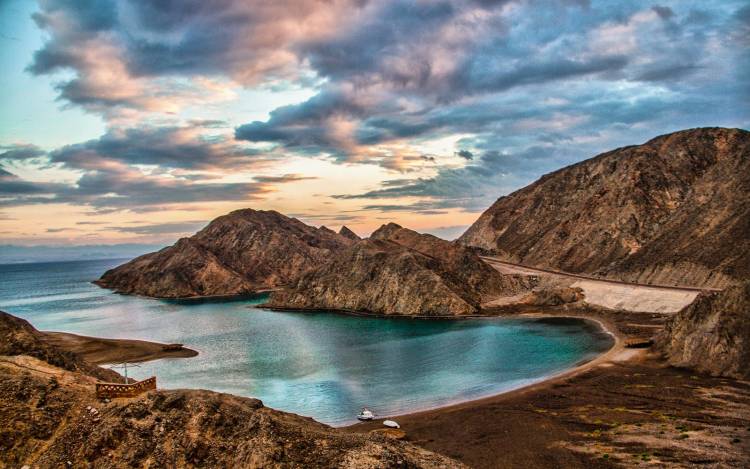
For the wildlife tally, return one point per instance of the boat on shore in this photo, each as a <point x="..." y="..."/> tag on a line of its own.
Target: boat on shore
<point x="365" y="415"/>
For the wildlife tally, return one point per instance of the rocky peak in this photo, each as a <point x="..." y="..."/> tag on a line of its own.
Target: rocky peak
<point x="347" y="233"/>
<point x="386" y="231"/>
<point x="242" y="252"/>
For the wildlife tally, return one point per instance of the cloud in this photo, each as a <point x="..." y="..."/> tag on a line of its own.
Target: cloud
<point x="12" y="187"/>
<point x="143" y="169"/>
<point x="20" y="152"/>
<point x="164" y="228"/>
<point x="465" y="154"/>
<point x="284" y="178"/>
<point x="411" y="71"/>
<point x="513" y="88"/>
<point x="154" y="55"/>
<point x="184" y="147"/>
<point x="664" y="13"/>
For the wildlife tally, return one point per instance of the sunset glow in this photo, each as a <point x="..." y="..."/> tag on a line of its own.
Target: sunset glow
<point x="139" y="121"/>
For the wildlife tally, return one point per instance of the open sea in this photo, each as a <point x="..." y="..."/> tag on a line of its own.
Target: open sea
<point x="323" y="365"/>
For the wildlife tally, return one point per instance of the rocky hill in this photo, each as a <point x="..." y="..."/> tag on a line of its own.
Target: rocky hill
<point x="51" y="418"/>
<point x="400" y="271"/>
<point x="242" y="252"/>
<point x="712" y="334"/>
<point x="675" y="210"/>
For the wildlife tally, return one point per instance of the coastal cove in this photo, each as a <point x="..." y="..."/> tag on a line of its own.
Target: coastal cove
<point x="321" y="365"/>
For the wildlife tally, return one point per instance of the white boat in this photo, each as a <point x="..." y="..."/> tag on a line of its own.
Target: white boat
<point x="365" y="414"/>
<point x="391" y="424"/>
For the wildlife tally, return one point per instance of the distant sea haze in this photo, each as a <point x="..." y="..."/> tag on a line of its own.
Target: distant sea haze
<point x="16" y="254"/>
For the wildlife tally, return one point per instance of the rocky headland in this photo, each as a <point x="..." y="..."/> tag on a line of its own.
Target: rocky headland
<point x="243" y="252"/>
<point x="398" y="271"/>
<point x="51" y="418"/>
<point x="672" y="211"/>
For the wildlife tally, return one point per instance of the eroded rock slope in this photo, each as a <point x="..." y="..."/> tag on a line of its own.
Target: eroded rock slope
<point x="675" y="211"/>
<point x="400" y="271"/>
<point x="712" y="334"/>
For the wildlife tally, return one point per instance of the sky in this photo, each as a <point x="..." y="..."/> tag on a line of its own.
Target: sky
<point x="137" y="121"/>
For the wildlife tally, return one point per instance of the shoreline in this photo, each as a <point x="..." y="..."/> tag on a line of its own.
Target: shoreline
<point x="545" y="382"/>
<point x="103" y="351"/>
<point x="218" y="298"/>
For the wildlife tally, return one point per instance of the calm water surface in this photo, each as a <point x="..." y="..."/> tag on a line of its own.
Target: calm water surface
<point x="322" y="365"/>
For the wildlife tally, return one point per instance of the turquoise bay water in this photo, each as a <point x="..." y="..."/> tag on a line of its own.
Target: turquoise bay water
<point x="322" y="365"/>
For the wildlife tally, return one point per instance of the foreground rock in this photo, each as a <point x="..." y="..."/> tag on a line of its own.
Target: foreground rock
<point x="712" y="334"/>
<point x="673" y="211"/>
<point x="50" y="418"/>
<point x="400" y="271"/>
<point x="243" y="252"/>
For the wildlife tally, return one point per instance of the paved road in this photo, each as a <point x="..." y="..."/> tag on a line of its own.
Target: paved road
<point x="612" y="293"/>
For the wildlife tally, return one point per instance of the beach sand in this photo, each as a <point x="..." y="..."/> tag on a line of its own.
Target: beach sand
<point x="101" y="351"/>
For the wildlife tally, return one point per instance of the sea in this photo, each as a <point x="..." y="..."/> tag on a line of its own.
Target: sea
<point x="323" y="365"/>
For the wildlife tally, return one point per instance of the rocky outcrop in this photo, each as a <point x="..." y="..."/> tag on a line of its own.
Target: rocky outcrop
<point x="242" y="252"/>
<point x="400" y="271"/>
<point x="674" y="211"/>
<point x="51" y="418"/>
<point x="18" y="337"/>
<point x="712" y="334"/>
<point x="347" y="233"/>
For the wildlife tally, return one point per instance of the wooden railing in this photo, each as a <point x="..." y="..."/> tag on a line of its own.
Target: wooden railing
<point x="110" y="390"/>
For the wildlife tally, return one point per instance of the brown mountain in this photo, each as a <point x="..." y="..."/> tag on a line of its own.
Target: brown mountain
<point x="51" y="418"/>
<point x="242" y="252"/>
<point x="346" y="232"/>
<point x="712" y="334"/>
<point x="675" y="210"/>
<point x="400" y="271"/>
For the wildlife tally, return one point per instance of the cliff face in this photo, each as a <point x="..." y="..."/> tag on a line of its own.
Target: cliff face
<point x="399" y="271"/>
<point x="675" y="210"/>
<point x="51" y="418"/>
<point x="712" y="334"/>
<point x="242" y="252"/>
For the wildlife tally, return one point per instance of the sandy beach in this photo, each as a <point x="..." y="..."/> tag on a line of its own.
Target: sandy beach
<point x="102" y="351"/>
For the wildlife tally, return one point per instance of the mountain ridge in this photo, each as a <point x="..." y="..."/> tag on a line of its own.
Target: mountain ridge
<point x="661" y="212"/>
<point x="402" y="272"/>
